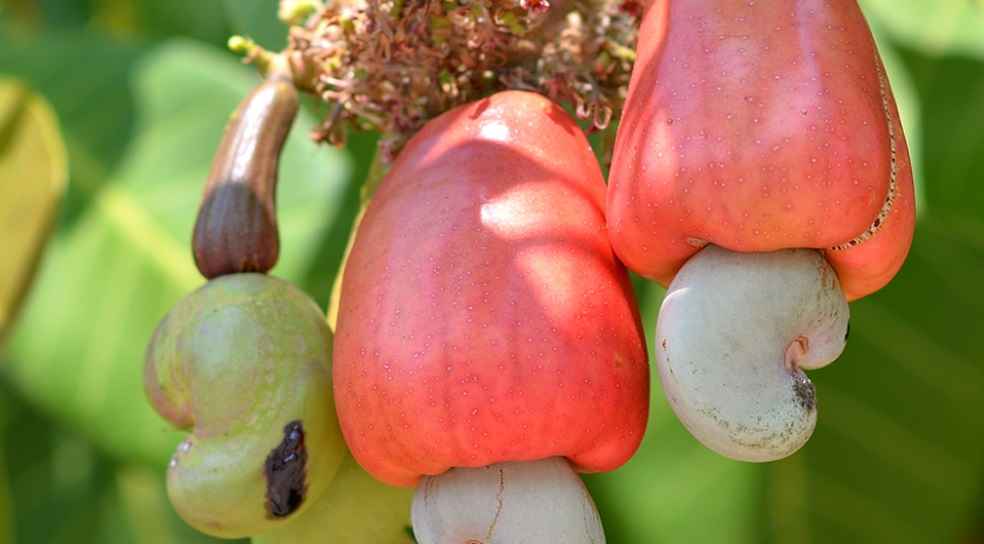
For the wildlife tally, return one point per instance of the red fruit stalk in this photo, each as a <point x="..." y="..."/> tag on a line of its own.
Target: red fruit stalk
<point x="483" y="317"/>
<point x="759" y="126"/>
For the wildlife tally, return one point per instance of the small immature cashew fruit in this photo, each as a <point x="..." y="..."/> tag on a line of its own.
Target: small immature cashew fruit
<point x="236" y="230"/>
<point x="757" y="126"/>
<point x="243" y="362"/>
<point x="740" y="388"/>
<point x="506" y="503"/>
<point x="484" y="319"/>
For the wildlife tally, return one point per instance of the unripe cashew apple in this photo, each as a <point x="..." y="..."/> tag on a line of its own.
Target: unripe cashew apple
<point x="243" y="362"/>
<point x="757" y="126"/>
<point x="483" y="316"/>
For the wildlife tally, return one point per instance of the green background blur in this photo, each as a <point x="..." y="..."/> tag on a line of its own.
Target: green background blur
<point x="142" y="90"/>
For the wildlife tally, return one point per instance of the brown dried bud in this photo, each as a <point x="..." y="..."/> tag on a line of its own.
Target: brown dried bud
<point x="236" y="230"/>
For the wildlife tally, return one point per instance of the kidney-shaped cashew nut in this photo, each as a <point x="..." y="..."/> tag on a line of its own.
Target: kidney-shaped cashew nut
<point x="734" y="334"/>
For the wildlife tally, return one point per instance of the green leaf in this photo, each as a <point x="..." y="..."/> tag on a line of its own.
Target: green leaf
<point x="97" y="112"/>
<point x="898" y="454"/>
<point x="258" y="20"/>
<point x="59" y="489"/>
<point x="148" y="513"/>
<point x="113" y="273"/>
<point x="6" y="512"/>
<point x="937" y="27"/>
<point x="211" y="21"/>
<point x="50" y="471"/>
<point x="32" y="179"/>
<point x="204" y="21"/>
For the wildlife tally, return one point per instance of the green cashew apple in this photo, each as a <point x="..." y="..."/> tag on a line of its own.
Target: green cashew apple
<point x="243" y="363"/>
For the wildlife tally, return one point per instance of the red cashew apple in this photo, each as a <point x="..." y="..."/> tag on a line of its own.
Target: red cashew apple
<point x="485" y="320"/>
<point x="757" y="126"/>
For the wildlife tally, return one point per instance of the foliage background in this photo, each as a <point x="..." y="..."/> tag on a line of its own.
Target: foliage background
<point x="142" y="89"/>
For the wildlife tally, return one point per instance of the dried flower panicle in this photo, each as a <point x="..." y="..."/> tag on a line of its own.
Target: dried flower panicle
<point x="393" y="65"/>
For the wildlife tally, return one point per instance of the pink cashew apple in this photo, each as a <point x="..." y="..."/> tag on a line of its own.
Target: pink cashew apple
<point x="757" y="126"/>
<point x="484" y="319"/>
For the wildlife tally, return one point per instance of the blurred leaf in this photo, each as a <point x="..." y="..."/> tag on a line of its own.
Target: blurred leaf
<point x="6" y="514"/>
<point x="18" y="17"/>
<point x="323" y="277"/>
<point x="50" y="472"/>
<point x="63" y="491"/>
<point x="78" y="350"/>
<point x="210" y="21"/>
<point x="898" y="454"/>
<point x="32" y="178"/>
<point x="62" y="13"/>
<point x="96" y="111"/>
<point x="146" y="509"/>
<point x="205" y="21"/>
<point x="258" y="20"/>
<point x="952" y="92"/>
<point x="937" y="27"/>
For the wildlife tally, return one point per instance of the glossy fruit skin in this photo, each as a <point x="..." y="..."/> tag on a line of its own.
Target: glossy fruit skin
<point x="237" y="362"/>
<point x="484" y="317"/>
<point x="759" y="126"/>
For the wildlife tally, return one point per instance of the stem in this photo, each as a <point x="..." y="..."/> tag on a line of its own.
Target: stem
<point x="252" y="53"/>
<point x="288" y="64"/>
